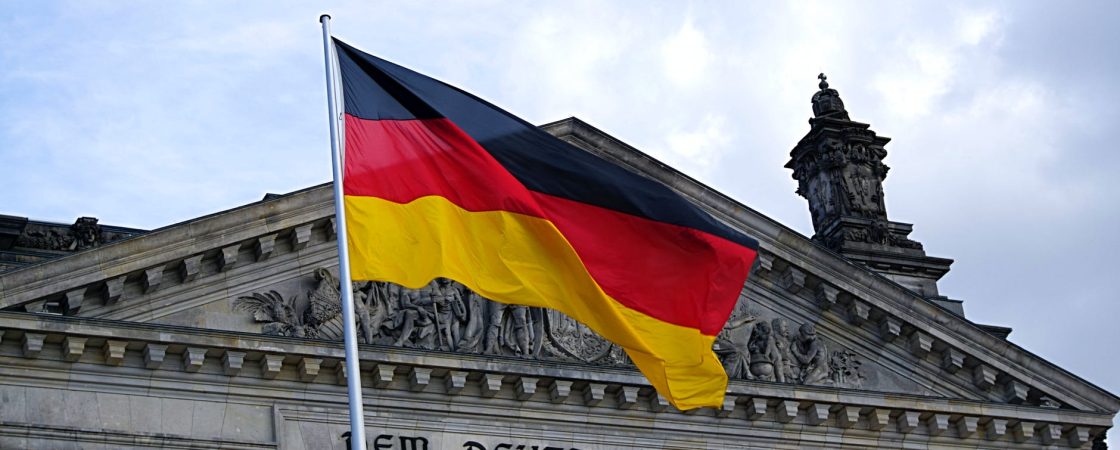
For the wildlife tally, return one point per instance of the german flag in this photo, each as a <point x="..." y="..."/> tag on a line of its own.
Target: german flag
<point x="440" y="183"/>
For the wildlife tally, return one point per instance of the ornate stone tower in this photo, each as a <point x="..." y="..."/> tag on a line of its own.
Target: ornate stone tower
<point x="839" y="169"/>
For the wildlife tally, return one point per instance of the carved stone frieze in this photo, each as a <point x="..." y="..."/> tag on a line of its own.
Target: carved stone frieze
<point x="445" y="315"/>
<point x="753" y="348"/>
<point x="85" y="233"/>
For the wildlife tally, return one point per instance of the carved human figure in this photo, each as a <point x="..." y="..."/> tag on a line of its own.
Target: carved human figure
<point x="362" y="307"/>
<point x="475" y="326"/>
<point x="517" y="328"/>
<point x="783" y="361"/>
<point x="811" y="355"/>
<point x="447" y="303"/>
<point x="87" y="233"/>
<point x="734" y="346"/>
<point x="411" y="315"/>
<point x="762" y="350"/>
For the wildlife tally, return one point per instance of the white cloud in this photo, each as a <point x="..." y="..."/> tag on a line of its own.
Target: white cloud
<point x="685" y="55"/>
<point x="701" y="146"/>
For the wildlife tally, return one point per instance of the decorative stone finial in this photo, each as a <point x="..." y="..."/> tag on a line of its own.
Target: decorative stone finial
<point x="826" y="102"/>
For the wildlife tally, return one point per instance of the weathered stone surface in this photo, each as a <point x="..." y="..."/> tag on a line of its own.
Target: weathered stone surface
<point x="1049" y="433"/>
<point x="73" y="347"/>
<point x="33" y="344"/>
<point x="74" y="298"/>
<point x="827" y="296"/>
<point x="152" y="278"/>
<point x="193" y="358"/>
<point x="952" y="360"/>
<point x="383" y="374"/>
<point x="559" y="390"/>
<point x="594" y="393"/>
<point x="908" y="421"/>
<point x="301" y="236"/>
<point x="228" y="257"/>
<point x="309" y="369"/>
<point x="966" y="426"/>
<point x="419" y="378"/>
<point x="728" y="406"/>
<point x="525" y="387"/>
<point x="984" y="376"/>
<point x="113" y="352"/>
<point x="1078" y="436"/>
<point x="756" y="408"/>
<point x="792" y="280"/>
<point x="1023" y="431"/>
<point x="658" y="403"/>
<point x="858" y="312"/>
<point x="786" y="410"/>
<point x="154" y="355"/>
<point x="232" y="361"/>
<point x="190" y="267"/>
<point x="847" y="416"/>
<point x="455" y="381"/>
<point x="114" y="288"/>
<point x="878" y="418"/>
<point x="271" y="366"/>
<point x="997" y="429"/>
<point x="627" y="397"/>
<point x="264" y="246"/>
<point x="920" y="344"/>
<point x="1016" y="391"/>
<point x="817" y="413"/>
<point x="490" y="384"/>
<point x="937" y="424"/>
<point x="890" y="328"/>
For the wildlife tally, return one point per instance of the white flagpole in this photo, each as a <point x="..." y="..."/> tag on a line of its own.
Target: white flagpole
<point x="353" y="373"/>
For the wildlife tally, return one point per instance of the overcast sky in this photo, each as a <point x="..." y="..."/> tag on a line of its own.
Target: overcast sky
<point x="1003" y="116"/>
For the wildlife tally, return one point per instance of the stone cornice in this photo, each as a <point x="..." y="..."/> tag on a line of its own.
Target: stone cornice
<point x="404" y="373"/>
<point x="166" y="246"/>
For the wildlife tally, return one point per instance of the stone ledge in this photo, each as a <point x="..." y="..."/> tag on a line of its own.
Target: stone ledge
<point x="620" y="390"/>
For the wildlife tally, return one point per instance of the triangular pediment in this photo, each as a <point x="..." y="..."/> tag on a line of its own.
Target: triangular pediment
<point x="839" y="325"/>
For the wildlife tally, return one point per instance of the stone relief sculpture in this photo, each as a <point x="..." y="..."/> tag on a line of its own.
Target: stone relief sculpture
<point x="753" y="349"/>
<point x="445" y="315"/>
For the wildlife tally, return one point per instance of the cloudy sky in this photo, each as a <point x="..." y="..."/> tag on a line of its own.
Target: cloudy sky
<point x="149" y="113"/>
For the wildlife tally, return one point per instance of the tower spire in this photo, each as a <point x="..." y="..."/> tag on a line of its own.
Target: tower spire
<point x="839" y="169"/>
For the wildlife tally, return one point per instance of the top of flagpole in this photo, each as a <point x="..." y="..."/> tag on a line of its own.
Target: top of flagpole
<point x="328" y="16"/>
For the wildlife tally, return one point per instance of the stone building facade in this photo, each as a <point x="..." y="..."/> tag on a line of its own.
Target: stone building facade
<point x="225" y="332"/>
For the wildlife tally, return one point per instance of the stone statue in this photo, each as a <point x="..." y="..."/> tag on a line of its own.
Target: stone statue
<point x="412" y="314"/>
<point x="810" y="354"/>
<point x="783" y="360"/>
<point x="733" y="344"/>
<point x="86" y="232"/>
<point x="509" y="330"/>
<point x="762" y="352"/>
<point x="471" y="341"/>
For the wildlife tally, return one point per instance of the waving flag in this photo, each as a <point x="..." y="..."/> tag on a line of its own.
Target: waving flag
<point x="440" y="183"/>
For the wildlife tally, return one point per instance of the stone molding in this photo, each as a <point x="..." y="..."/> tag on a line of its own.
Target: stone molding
<point x="398" y="371"/>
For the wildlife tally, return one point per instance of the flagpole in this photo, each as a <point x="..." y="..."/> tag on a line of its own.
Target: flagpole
<point x="353" y="373"/>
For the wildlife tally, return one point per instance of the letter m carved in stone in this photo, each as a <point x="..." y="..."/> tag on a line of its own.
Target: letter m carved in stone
<point x="414" y="443"/>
